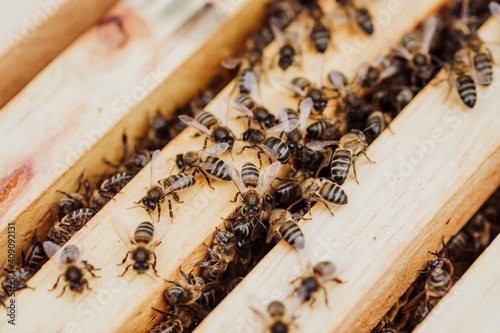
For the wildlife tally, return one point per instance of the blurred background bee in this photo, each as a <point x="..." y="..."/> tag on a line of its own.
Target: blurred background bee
<point x="276" y="318"/>
<point x="357" y="14"/>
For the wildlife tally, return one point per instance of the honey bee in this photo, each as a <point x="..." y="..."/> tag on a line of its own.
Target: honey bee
<point x="284" y="225"/>
<point x="438" y="283"/>
<point x="208" y="124"/>
<point x="161" y="188"/>
<point x="415" y="48"/>
<point x="377" y="122"/>
<point x="321" y="273"/>
<point x="320" y="33"/>
<point x="71" y="201"/>
<point x="289" y="43"/>
<point x="360" y="15"/>
<point x="69" y="225"/>
<point x="254" y="111"/>
<point x="456" y="245"/>
<point x="479" y="228"/>
<point x="130" y="162"/>
<point x="382" y="68"/>
<point x="222" y="252"/>
<point x="112" y="185"/>
<point x="326" y="129"/>
<point x="174" y="323"/>
<point x="252" y="186"/>
<point x="294" y="138"/>
<point x="206" y="161"/>
<point x="276" y="320"/>
<point x="350" y="100"/>
<point x="74" y="268"/>
<point x="350" y="146"/>
<point x="141" y="246"/>
<point x="36" y="255"/>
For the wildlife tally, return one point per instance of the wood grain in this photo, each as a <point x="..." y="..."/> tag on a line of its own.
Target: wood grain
<point x="472" y="304"/>
<point x="430" y="177"/>
<point x="129" y="75"/>
<point x="124" y="304"/>
<point x="34" y="32"/>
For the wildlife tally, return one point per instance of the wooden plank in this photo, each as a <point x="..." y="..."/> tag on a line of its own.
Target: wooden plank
<point x="473" y="302"/>
<point x="34" y="32"/>
<point x="124" y="304"/>
<point x="430" y="177"/>
<point x="70" y="132"/>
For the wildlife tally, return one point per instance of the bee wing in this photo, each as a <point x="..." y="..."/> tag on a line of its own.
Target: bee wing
<point x="412" y="305"/>
<point x="123" y="230"/>
<point x="291" y="86"/>
<point x="281" y="111"/>
<point x="231" y="63"/>
<point x="305" y="108"/>
<point x="50" y="249"/>
<point x="267" y="176"/>
<point x="479" y="77"/>
<point x="495" y="10"/>
<point x="156" y="163"/>
<point x="178" y="184"/>
<point x="242" y="108"/>
<point x="318" y="145"/>
<point x="215" y="149"/>
<point x="400" y="51"/>
<point x="235" y="176"/>
<point x="286" y="126"/>
<point x="268" y="151"/>
<point x="191" y="122"/>
<point x="224" y="109"/>
<point x="338" y="81"/>
<point x="319" y="70"/>
<point x="276" y="30"/>
<point x="252" y="86"/>
<point x="429" y="31"/>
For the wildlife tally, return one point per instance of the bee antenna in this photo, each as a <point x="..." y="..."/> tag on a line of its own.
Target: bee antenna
<point x="231" y="153"/>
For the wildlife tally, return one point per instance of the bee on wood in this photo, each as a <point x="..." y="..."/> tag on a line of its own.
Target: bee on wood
<point x="252" y="185"/>
<point x="294" y="138"/>
<point x="438" y="283"/>
<point x="208" y="124"/>
<point x="326" y="129"/>
<point x="415" y="48"/>
<point x="320" y="33"/>
<point x="383" y="67"/>
<point x="74" y="268"/>
<point x="205" y="161"/>
<point x="141" y="246"/>
<point x="113" y="184"/>
<point x="376" y="123"/>
<point x="284" y="226"/>
<point x="69" y="225"/>
<point x="254" y="110"/>
<point x="161" y="188"/>
<point x="288" y="42"/>
<point x="321" y="273"/>
<point x="350" y="146"/>
<point x="276" y="319"/>
<point x="71" y="201"/>
<point x="360" y="15"/>
<point x="36" y="255"/>
<point x="186" y="294"/>
<point x="350" y="95"/>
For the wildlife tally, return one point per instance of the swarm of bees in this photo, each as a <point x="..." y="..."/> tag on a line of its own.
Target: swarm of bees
<point x="318" y="146"/>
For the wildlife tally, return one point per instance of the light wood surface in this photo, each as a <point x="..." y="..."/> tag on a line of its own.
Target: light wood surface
<point x="472" y="304"/>
<point x="33" y="33"/>
<point x="160" y="66"/>
<point x="124" y="304"/>
<point x="430" y="176"/>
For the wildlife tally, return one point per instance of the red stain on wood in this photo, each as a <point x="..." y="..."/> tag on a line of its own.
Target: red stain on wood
<point x="18" y="178"/>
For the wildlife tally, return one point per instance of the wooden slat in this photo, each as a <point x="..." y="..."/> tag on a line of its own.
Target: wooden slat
<point x="430" y="177"/>
<point x="133" y="296"/>
<point x="77" y="109"/>
<point x="35" y="32"/>
<point x="472" y="304"/>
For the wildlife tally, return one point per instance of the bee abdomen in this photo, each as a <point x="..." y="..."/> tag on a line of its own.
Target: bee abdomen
<point x="301" y="82"/>
<point x="482" y="62"/>
<point x="218" y="171"/>
<point x="241" y="81"/>
<point x="467" y="90"/>
<point x="333" y="193"/>
<point x="205" y="118"/>
<point x="320" y="36"/>
<point x="365" y="21"/>
<point x="292" y="234"/>
<point x="411" y="41"/>
<point x="144" y="232"/>
<point x="280" y="147"/>
<point x="341" y="163"/>
<point x="78" y="217"/>
<point x="250" y="174"/>
<point x="168" y="326"/>
<point x="246" y="100"/>
<point x="173" y="178"/>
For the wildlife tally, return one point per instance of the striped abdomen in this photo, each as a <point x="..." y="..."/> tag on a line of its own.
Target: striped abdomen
<point x="320" y="37"/>
<point x="291" y="114"/>
<point x="292" y="234"/>
<point x="333" y="193"/>
<point x="173" y="178"/>
<point x="411" y="41"/>
<point x="250" y="174"/>
<point x="364" y="20"/>
<point x="205" y="118"/>
<point x="171" y="325"/>
<point x="280" y="147"/>
<point x="467" y="90"/>
<point x="301" y="82"/>
<point x="117" y="181"/>
<point x="217" y="170"/>
<point x="70" y="254"/>
<point x="246" y="100"/>
<point x="61" y="235"/>
<point x="341" y="162"/>
<point x="36" y="257"/>
<point x="376" y="122"/>
<point x="78" y="218"/>
<point x="241" y="81"/>
<point x="316" y="130"/>
<point x="144" y="233"/>
<point x="482" y="63"/>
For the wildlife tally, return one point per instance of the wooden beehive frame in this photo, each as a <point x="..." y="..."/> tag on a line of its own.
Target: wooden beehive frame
<point x="132" y="297"/>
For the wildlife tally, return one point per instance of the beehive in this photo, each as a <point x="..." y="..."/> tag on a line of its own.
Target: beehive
<point x="431" y="174"/>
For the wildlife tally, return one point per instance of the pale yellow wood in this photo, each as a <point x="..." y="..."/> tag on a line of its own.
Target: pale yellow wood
<point x="74" y="113"/>
<point x="430" y="176"/>
<point x="124" y="304"/>
<point x="472" y="304"/>
<point x="32" y="33"/>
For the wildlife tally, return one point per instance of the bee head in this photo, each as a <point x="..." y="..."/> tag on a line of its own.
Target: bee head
<point x="149" y="204"/>
<point x="141" y="267"/>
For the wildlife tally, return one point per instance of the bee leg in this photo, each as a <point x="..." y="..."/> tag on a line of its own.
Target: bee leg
<point x="90" y="269"/>
<point x="327" y="207"/>
<point x="87" y="285"/>
<point x="176" y="198"/>
<point x="208" y="180"/>
<point x="159" y="211"/>
<point x="170" y="210"/>
<point x="354" y="170"/>
<point x="64" y="289"/>
<point x="124" y="259"/>
<point x="24" y="286"/>
<point x="364" y="153"/>
<point x="126" y="269"/>
<point x="153" y="265"/>
<point x="336" y="280"/>
<point x="326" y="296"/>
<point x="244" y="149"/>
<point x="205" y="145"/>
<point x="55" y="285"/>
<point x="260" y="159"/>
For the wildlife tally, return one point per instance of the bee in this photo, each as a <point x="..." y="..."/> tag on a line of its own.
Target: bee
<point x="71" y="201"/>
<point x="70" y="224"/>
<point x="438" y="283"/>
<point x="284" y="225"/>
<point x="479" y="228"/>
<point x="74" y="268"/>
<point x="254" y="111"/>
<point x="222" y="252"/>
<point x="276" y="320"/>
<point x="456" y="245"/>
<point x="289" y="43"/>
<point x="208" y="124"/>
<point x="387" y="330"/>
<point x="326" y="129"/>
<point x="133" y="162"/>
<point x="350" y="146"/>
<point x="36" y="256"/>
<point x="15" y="280"/>
<point x="320" y="33"/>
<point x="415" y="48"/>
<point x="294" y="138"/>
<point x="383" y="67"/>
<point x="160" y="188"/>
<point x="252" y="186"/>
<point x="360" y="15"/>
<point x="465" y="81"/>
<point x="287" y="192"/>
<point x="377" y="122"/>
<point x="321" y="273"/>
<point x="186" y="294"/>
<point x="112" y="185"/>
<point x="205" y="161"/>
<point x="174" y="323"/>
<point x="141" y="246"/>
<point x="351" y="101"/>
